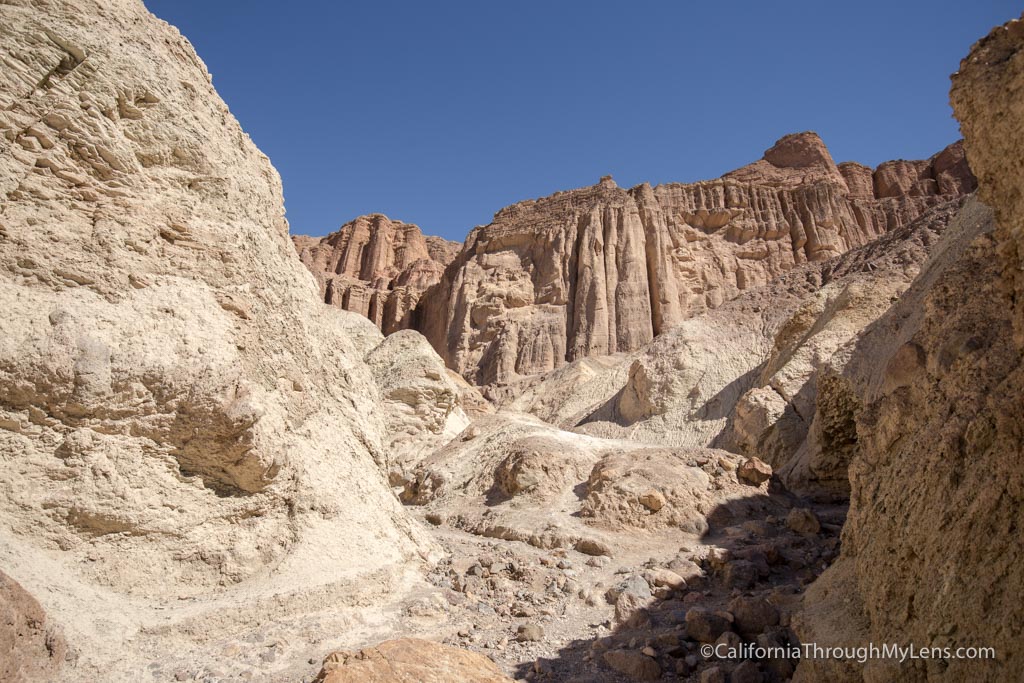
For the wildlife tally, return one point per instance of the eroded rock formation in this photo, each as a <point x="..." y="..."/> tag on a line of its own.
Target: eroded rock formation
<point x="376" y="267"/>
<point x="603" y="270"/>
<point x="169" y="436"/>
<point x="931" y="552"/>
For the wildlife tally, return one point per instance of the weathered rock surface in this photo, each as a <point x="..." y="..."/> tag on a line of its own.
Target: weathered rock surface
<point x="423" y="400"/>
<point x="746" y="376"/>
<point x="931" y="551"/>
<point x="376" y="267"/>
<point x="410" y="660"/>
<point x="31" y="648"/>
<point x="181" y="459"/>
<point x="602" y="270"/>
<point x="512" y="477"/>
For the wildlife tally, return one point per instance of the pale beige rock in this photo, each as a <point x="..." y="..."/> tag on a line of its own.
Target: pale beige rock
<point x="410" y="660"/>
<point x="621" y="484"/>
<point x="520" y="479"/>
<point x="423" y="404"/>
<point x="746" y="376"/>
<point x="182" y="461"/>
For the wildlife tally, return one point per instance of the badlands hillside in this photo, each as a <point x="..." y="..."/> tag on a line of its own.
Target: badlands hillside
<point x="612" y="428"/>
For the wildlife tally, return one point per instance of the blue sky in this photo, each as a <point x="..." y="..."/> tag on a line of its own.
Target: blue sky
<point x="440" y="113"/>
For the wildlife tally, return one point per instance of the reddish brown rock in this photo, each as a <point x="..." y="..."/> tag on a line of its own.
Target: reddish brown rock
<point x="602" y="270"/>
<point x="754" y="471"/>
<point x="410" y="660"/>
<point x="31" y="649"/>
<point x="376" y="267"/>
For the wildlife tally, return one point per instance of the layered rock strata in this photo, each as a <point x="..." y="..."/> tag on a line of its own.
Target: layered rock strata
<point x="603" y="270"/>
<point x="376" y="267"/>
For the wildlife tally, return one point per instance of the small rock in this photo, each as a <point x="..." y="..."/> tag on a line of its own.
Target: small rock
<point x="665" y="577"/>
<point x="705" y="626"/>
<point x="634" y="584"/>
<point x="803" y="521"/>
<point x="728" y="641"/>
<point x="777" y="667"/>
<point x="753" y="615"/>
<point x="636" y="665"/>
<point x="746" y="672"/>
<point x="529" y="633"/>
<point x="712" y="674"/>
<point x="740" y="574"/>
<point x="754" y="472"/>
<point x="652" y="499"/>
<point x="649" y="651"/>
<point x="631" y="609"/>
<point x="590" y="546"/>
<point x="687" y="569"/>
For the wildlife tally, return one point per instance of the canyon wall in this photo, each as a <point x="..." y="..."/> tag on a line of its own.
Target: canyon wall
<point x="191" y="442"/>
<point x="376" y="267"/>
<point x="602" y="270"/>
<point x="931" y="549"/>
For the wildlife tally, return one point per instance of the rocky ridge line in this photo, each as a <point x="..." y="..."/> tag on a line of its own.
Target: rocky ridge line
<point x="376" y="267"/>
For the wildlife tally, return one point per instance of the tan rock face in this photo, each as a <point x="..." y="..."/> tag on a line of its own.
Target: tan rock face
<point x="603" y="270"/>
<point x="935" y="388"/>
<point x="410" y="660"/>
<point x="759" y="375"/>
<point x="376" y="267"/>
<point x="159" y="416"/>
<point x="425" y="404"/>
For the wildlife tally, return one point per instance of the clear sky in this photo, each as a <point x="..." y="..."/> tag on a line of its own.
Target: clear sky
<point x="440" y="113"/>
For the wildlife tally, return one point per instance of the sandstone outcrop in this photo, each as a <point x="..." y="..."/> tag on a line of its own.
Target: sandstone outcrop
<point x="602" y="270"/>
<point x="931" y="552"/>
<point x="181" y="458"/>
<point x="376" y="267"/>
<point x="425" y="403"/>
<point x="410" y="660"/>
<point x="746" y="376"/>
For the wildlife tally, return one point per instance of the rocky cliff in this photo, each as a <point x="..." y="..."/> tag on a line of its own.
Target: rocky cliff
<point x="376" y="267"/>
<point x="603" y="270"/>
<point x="931" y="552"/>
<point x="180" y="461"/>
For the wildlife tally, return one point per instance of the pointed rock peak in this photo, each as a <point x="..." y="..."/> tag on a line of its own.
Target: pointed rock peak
<point x="799" y="150"/>
<point x="374" y="220"/>
<point x="607" y="181"/>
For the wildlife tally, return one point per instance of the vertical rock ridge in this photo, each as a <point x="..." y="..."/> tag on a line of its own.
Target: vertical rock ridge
<point x="603" y="270"/>
<point x="376" y="267"/>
